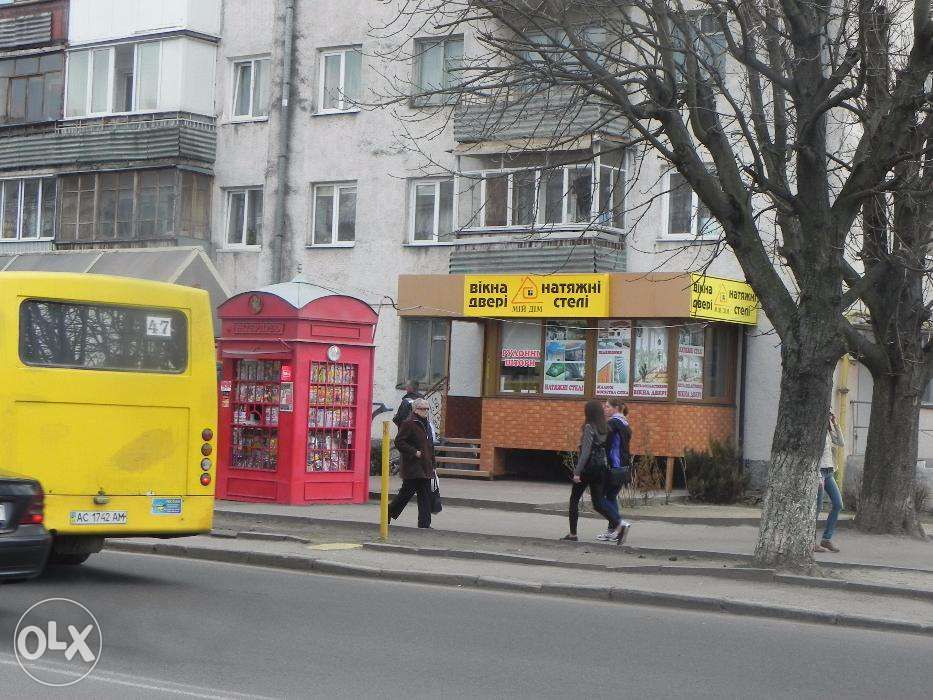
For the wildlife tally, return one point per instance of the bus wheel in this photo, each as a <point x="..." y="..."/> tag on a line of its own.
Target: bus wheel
<point x="67" y="559"/>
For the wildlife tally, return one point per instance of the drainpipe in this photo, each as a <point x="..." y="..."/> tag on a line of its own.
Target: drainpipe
<point x="281" y="242"/>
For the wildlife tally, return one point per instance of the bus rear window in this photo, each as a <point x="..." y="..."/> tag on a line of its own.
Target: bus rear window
<point x="93" y="336"/>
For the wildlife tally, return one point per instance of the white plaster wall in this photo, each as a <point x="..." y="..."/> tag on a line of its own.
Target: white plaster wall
<point x="99" y="20"/>
<point x="366" y="147"/>
<point x="466" y="359"/>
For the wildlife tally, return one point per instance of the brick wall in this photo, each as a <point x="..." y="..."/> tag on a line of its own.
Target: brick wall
<point x="664" y="429"/>
<point x="463" y="416"/>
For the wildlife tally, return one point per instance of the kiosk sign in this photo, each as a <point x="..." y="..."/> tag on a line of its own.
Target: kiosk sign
<point x="718" y="299"/>
<point x="544" y="296"/>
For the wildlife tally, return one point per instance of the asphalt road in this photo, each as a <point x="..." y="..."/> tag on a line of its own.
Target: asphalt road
<point x="178" y="628"/>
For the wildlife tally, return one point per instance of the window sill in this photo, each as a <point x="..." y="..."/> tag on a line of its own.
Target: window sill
<point x="240" y="249"/>
<point x="694" y="240"/>
<point x="429" y="244"/>
<point x="334" y="112"/>
<point x="245" y="120"/>
<point x="326" y="246"/>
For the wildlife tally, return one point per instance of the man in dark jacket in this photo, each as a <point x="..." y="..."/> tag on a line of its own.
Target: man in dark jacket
<point x="417" y="449"/>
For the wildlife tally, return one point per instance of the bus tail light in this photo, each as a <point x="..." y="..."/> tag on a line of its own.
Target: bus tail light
<point x="207" y="434"/>
<point x="206" y="449"/>
<point x="206" y="464"/>
<point x="34" y="514"/>
<point x="205" y="479"/>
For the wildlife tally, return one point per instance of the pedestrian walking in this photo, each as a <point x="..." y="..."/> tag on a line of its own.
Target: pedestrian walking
<point x="618" y="452"/>
<point x="412" y="393"/>
<point x="827" y="467"/>
<point x="414" y="442"/>
<point x="591" y="469"/>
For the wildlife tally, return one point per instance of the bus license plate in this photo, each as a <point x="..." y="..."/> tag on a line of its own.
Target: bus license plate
<point x="98" y="517"/>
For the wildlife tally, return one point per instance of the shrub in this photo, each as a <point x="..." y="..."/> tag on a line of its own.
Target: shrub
<point x="716" y="475"/>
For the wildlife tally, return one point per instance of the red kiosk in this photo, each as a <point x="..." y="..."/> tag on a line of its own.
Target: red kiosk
<point x="295" y="396"/>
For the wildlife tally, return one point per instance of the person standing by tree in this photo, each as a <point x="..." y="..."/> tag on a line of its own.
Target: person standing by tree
<point x="590" y="470"/>
<point x="417" y="448"/>
<point x="827" y="467"/>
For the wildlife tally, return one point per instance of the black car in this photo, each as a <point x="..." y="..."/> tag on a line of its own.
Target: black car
<point x="24" y="541"/>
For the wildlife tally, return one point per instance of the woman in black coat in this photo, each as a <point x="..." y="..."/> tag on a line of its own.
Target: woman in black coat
<point x="595" y="433"/>
<point x="414" y="442"/>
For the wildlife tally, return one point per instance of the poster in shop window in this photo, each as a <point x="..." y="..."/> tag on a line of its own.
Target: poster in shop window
<point x="690" y="363"/>
<point x="613" y="356"/>
<point x="650" y="378"/>
<point x="564" y="358"/>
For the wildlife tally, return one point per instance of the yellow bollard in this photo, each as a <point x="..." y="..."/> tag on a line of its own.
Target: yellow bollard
<point x="384" y="493"/>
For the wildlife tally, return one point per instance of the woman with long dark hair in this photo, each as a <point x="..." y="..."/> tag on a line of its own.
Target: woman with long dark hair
<point x="591" y="468"/>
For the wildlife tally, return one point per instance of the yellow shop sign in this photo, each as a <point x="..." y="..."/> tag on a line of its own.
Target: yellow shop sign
<point x="719" y="299"/>
<point x="551" y="296"/>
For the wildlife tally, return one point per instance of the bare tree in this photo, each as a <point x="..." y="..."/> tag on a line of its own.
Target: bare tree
<point x="762" y="107"/>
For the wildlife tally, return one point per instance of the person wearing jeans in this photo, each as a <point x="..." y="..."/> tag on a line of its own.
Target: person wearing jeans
<point x="827" y="467"/>
<point x="620" y="463"/>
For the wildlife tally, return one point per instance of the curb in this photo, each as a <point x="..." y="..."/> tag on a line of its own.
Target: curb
<point x="619" y="595"/>
<point x="289" y="519"/>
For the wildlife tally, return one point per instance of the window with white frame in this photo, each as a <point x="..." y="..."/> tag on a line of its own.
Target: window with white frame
<point x="244" y="217"/>
<point x="334" y="218"/>
<point x="113" y="79"/>
<point x="706" y="42"/>
<point x="339" y="83"/>
<point x="27" y="208"/>
<point x="558" y="195"/>
<point x="251" y="88"/>
<point x="686" y="216"/>
<point x="435" y="69"/>
<point x="432" y="210"/>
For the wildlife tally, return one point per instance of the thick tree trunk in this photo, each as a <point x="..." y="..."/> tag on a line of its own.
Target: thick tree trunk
<point x="886" y="499"/>
<point x="785" y="536"/>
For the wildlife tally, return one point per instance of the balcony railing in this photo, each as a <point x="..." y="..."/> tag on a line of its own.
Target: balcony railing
<point x="561" y="248"/>
<point x="552" y="115"/>
<point x="130" y="138"/>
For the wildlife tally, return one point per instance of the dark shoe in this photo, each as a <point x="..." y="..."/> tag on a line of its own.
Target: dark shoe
<point x="826" y="544"/>
<point x="571" y="538"/>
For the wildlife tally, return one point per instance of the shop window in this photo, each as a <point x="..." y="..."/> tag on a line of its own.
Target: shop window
<point x="565" y="354"/>
<point x="334" y="218"/>
<point x="244" y="218"/>
<point x="520" y="358"/>
<point x="251" y="88"/>
<point x="31" y="89"/>
<point x="435" y="70"/>
<point x="432" y="210"/>
<point x="423" y="350"/>
<point x="613" y="358"/>
<point x="719" y="364"/>
<point x="27" y="209"/>
<point x="650" y="372"/>
<point x="134" y="205"/>
<point x="690" y="352"/>
<point x="91" y="336"/>
<point x="114" y="79"/>
<point x="339" y="89"/>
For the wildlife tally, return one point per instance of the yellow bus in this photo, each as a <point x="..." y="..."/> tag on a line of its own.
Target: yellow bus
<point x="108" y="398"/>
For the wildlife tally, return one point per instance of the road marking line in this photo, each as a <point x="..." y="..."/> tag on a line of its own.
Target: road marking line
<point x="191" y="691"/>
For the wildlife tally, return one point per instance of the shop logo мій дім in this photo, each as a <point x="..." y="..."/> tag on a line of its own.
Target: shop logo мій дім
<point x="57" y="642"/>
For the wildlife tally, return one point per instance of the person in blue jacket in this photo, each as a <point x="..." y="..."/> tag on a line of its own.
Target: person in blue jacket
<point x="618" y="452"/>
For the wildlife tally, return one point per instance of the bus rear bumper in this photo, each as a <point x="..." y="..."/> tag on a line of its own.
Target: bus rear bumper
<point x="129" y="516"/>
